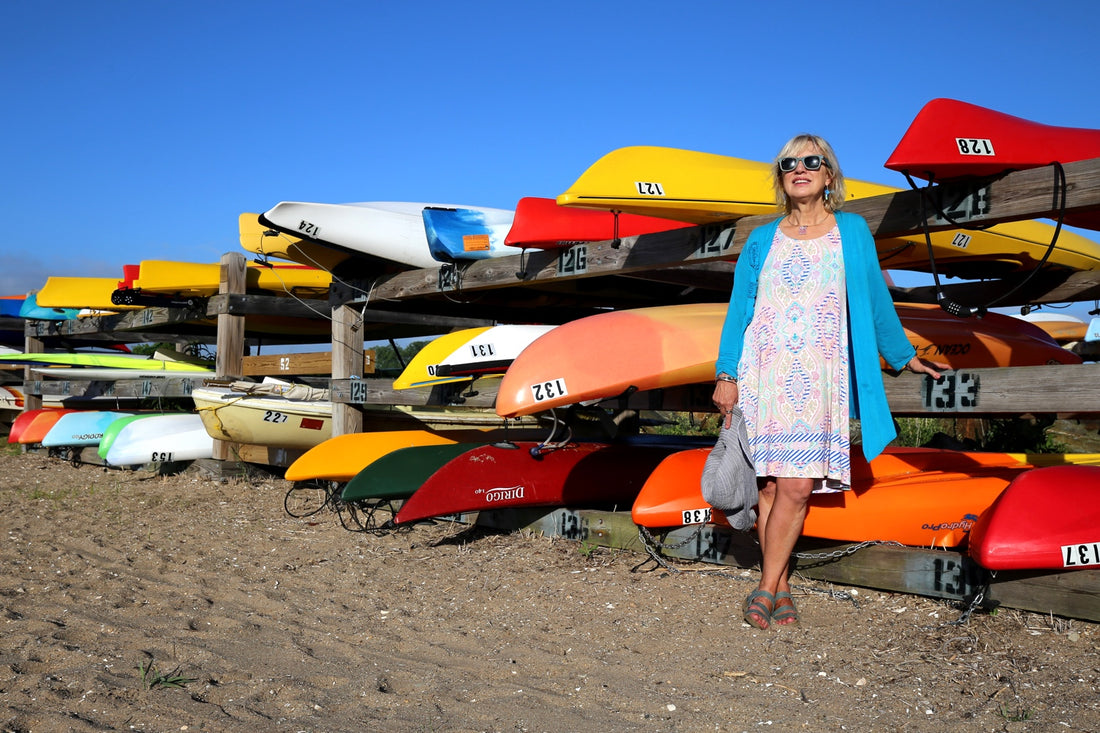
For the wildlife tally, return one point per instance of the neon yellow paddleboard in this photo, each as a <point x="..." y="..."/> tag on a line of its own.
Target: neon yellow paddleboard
<point x="703" y="187"/>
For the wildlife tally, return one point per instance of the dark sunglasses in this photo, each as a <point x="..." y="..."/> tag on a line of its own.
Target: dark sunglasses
<point x="810" y="162"/>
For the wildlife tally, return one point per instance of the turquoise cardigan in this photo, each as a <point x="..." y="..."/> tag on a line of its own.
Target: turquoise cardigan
<point x="873" y="328"/>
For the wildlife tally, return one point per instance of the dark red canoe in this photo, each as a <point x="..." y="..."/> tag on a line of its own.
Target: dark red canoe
<point x="542" y="224"/>
<point x="949" y="139"/>
<point x="494" y="477"/>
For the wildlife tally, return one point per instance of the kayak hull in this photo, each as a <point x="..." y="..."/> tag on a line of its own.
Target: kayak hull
<point x="1047" y="518"/>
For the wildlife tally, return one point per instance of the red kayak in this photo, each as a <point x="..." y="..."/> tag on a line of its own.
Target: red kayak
<point x="41" y="424"/>
<point x="24" y="419"/>
<point x="949" y="139"/>
<point x="542" y="224"/>
<point x="1047" y="518"/>
<point x="577" y="474"/>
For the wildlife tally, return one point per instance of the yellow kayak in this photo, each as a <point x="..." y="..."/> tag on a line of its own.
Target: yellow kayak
<point x="703" y="188"/>
<point x="263" y="240"/>
<point x="201" y="279"/>
<point x="80" y="292"/>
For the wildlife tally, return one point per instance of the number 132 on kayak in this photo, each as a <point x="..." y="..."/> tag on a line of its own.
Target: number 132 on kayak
<point x="550" y="390"/>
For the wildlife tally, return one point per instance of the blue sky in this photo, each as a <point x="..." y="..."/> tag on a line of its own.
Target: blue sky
<point x="140" y="130"/>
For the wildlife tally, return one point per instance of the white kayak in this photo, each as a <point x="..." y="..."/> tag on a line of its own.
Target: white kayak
<point x="160" y="439"/>
<point x="456" y="235"/>
<point x="81" y="428"/>
<point x="491" y="351"/>
<point x="387" y="230"/>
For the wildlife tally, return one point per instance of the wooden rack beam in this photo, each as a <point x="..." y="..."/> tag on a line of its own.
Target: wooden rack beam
<point x="1063" y="389"/>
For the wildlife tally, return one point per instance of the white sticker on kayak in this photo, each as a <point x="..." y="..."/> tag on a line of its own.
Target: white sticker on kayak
<point x="482" y="351"/>
<point x="960" y="240"/>
<point x="974" y="146"/>
<point x="1079" y="556"/>
<point x="649" y="188"/>
<point x="550" y="390"/>
<point x="696" y="516"/>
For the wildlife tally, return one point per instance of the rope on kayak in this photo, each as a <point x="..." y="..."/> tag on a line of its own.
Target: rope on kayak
<point x="550" y="444"/>
<point x="954" y="307"/>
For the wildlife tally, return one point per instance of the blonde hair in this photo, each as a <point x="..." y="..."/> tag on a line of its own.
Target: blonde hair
<point x="838" y="192"/>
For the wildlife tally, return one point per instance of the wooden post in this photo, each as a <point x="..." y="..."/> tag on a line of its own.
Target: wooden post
<point x="230" y="344"/>
<point x="347" y="363"/>
<point x="31" y="345"/>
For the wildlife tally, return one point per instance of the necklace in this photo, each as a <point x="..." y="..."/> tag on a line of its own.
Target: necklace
<point x="803" y="227"/>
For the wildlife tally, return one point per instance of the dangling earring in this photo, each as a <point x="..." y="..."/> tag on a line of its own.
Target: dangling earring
<point x="826" y="194"/>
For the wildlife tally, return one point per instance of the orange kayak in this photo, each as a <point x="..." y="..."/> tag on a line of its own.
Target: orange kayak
<point x="36" y="427"/>
<point x="916" y="496"/>
<point x="668" y="346"/>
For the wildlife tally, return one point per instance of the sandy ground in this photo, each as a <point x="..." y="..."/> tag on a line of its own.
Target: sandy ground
<point x="285" y="624"/>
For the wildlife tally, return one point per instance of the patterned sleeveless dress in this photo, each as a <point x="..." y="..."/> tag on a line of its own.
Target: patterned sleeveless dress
<point x="793" y="375"/>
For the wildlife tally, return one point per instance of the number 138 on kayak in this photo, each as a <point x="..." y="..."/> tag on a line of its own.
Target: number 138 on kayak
<point x="550" y="390"/>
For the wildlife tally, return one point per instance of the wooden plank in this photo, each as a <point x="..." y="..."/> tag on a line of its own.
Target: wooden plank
<point x="242" y="304"/>
<point x="1075" y="593"/>
<point x="1046" y="287"/>
<point x="304" y="363"/>
<point x="144" y="320"/>
<point x="108" y="391"/>
<point x="1063" y="389"/>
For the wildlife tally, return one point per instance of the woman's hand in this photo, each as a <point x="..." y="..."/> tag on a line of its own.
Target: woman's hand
<point x="725" y="399"/>
<point x="923" y="366"/>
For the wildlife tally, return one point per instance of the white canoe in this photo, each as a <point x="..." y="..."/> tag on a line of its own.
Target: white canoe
<point x="387" y="230"/>
<point x="160" y="439"/>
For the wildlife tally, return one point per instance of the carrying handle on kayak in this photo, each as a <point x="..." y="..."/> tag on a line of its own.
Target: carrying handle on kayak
<point x="964" y="311"/>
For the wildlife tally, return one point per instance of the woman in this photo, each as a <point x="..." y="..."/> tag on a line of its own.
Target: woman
<point x="800" y="361"/>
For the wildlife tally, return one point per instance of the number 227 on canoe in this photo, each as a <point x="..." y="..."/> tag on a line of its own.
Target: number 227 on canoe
<point x="550" y="390"/>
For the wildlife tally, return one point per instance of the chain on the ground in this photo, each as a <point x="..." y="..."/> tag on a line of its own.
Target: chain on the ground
<point x="652" y="546"/>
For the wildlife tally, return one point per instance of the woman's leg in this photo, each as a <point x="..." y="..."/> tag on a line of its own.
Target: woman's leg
<point x="781" y="514"/>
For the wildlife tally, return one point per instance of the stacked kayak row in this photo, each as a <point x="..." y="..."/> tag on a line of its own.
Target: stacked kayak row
<point x="913" y="496"/>
<point x="121" y="439"/>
